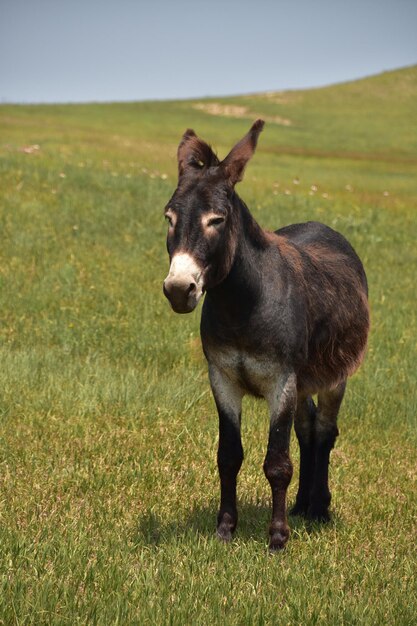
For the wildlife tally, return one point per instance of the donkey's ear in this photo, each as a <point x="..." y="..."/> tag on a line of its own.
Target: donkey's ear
<point x="235" y="162"/>
<point x="194" y="153"/>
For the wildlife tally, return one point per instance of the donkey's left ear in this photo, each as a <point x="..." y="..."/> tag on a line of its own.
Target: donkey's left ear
<point x="194" y="153"/>
<point x="235" y="162"/>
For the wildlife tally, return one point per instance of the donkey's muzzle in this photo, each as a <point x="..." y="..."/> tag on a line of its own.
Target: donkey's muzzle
<point x="182" y="296"/>
<point x="184" y="284"/>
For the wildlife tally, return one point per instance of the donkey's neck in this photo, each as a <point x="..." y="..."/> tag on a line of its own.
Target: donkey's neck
<point x="240" y="291"/>
<point x="251" y="234"/>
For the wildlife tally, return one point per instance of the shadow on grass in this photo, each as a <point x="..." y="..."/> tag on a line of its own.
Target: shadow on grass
<point x="152" y="529"/>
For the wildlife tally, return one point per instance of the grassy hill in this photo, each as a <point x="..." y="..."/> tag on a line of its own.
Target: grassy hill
<point x="108" y="483"/>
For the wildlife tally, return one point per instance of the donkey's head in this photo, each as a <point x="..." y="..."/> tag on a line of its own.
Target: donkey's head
<point x="202" y="222"/>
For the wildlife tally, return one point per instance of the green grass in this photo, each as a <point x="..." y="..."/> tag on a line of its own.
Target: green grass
<point x="109" y="485"/>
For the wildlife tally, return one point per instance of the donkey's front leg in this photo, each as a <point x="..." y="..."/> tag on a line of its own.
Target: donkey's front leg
<point x="277" y="465"/>
<point x="228" y="397"/>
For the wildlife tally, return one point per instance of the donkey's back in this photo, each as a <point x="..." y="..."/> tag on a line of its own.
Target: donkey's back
<point x="307" y="234"/>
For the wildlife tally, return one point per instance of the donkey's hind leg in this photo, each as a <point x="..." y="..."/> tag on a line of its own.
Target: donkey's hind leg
<point x="325" y="433"/>
<point x="304" y="423"/>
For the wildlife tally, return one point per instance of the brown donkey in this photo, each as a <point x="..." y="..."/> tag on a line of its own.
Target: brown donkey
<point x="285" y="317"/>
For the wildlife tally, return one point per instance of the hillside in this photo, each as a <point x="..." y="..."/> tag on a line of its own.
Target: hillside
<point x="373" y="115"/>
<point x="372" y="119"/>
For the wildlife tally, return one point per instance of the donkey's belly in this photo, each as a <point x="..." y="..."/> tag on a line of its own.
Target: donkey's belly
<point x="253" y="373"/>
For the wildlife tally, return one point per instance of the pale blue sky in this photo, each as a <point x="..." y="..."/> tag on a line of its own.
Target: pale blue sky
<point x="82" y="50"/>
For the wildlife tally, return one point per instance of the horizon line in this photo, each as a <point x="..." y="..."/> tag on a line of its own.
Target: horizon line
<point x="5" y="102"/>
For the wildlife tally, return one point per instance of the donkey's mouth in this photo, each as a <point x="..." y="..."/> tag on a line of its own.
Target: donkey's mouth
<point x="182" y="300"/>
<point x="183" y="309"/>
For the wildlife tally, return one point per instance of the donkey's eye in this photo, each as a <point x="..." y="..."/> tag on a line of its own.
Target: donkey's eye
<point x="215" y="221"/>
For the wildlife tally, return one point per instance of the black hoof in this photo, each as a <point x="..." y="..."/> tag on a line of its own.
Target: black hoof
<point x="300" y="508"/>
<point x="318" y="514"/>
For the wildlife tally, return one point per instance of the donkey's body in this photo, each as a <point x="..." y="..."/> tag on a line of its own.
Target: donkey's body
<point x="285" y="316"/>
<point x="291" y="297"/>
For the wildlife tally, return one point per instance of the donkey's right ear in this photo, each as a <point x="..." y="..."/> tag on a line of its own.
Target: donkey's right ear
<point x="194" y="153"/>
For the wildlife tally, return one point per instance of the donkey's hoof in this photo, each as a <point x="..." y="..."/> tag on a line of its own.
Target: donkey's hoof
<point x="278" y="537"/>
<point x="299" y="508"/>
<point x="226" y="524"/>
<point x="224" y="534"/>
<point x="319" y="514"/>
<point x="277" y="543"/>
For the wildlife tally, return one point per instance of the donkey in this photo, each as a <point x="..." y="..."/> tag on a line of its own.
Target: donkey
<point x="285" y="317"/>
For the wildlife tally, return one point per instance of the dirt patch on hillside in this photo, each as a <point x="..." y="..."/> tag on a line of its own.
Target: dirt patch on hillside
<point x="235" y="110"/>
<point x="279" y="97"/>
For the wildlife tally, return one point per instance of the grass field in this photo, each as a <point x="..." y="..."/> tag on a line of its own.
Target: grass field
<point x="109" y="484"/>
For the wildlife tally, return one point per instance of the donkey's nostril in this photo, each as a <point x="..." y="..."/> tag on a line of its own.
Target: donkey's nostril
<point x="192" y="287"/>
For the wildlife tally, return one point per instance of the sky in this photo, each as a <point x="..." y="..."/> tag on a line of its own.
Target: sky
<point x="101" y="50"/>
